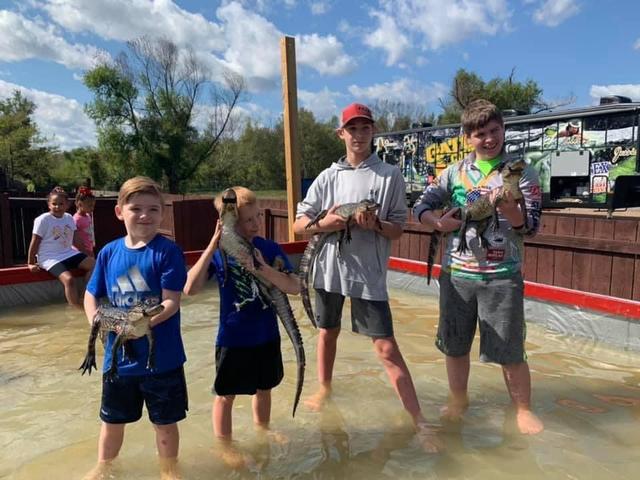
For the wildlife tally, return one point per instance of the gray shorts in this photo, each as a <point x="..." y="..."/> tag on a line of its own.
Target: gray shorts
<point x="497" y="305"/>
<point x="368" y="317"/>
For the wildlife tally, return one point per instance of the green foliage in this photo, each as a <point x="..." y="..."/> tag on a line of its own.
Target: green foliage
<point x="505" y="93"/>
<point x="23" y="157"/>
<point x="144" y="108"/>
<point x="256" y="158"/>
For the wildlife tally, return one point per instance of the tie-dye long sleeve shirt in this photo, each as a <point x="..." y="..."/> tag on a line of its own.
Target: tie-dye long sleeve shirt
<point x="461" y="184"/>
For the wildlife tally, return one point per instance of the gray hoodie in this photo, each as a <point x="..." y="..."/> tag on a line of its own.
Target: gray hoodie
<point x="361" y="269"/>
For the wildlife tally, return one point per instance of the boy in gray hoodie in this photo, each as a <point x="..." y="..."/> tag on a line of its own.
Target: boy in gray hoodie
<point x="359" y="270"/>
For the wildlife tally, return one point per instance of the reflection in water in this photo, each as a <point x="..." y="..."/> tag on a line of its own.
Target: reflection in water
<point x="588" y="395"/>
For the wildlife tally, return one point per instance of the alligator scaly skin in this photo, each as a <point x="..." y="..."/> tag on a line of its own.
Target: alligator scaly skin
<point x="128" y="324"/>
<point x="234" y="245"/>
<point x="347" y="211"/>
<point x="483" y="208"/>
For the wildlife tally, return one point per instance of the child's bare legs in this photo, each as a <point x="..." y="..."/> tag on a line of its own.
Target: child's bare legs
<point x="261" y="404"/>
<point x="389" y="354"/>
<point x="109" y="443"/>
<point x="168" y="443"/>
<point x="70" y="292"/>
<point x="87" y="265"/>
<point x="221" y="418"/>
<point x="326" y="356"/>
<point x="458" y="376"/>
<point x="518" y="380"/>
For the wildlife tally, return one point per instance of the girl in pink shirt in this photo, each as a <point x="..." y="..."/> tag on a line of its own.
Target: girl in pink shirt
<point x="85" y="202"/>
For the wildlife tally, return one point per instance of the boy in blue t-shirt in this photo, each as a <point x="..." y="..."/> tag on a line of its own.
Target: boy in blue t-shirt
<point x="248" y="356"/>
<point x="140" y="265"/>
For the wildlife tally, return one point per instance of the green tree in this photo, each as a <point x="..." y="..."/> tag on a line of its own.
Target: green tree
<point x="319" y="143"/>
<point x="145" y="109"/>
<point x="505" y="93"/>
<point x="23" y="155"/>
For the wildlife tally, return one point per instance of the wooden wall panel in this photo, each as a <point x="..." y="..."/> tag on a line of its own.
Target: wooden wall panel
<point x="622" y="266"/>
<point x="580" y="274"/>
<point x="563" y="257"/>
<point x="600" y="274"/>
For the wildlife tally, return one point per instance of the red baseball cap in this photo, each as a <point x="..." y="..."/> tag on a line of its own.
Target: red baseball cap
<point x="355" y="110"/>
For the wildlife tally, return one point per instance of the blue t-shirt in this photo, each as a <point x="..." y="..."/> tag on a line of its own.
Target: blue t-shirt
<point x="128" y="275"/>
<point x="244" y="320"/>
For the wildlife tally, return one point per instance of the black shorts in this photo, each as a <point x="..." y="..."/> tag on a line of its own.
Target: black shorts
<point x="67" y="264"/>
<point x="368" y="317"/>
<point x="244" y="370"/>
<point x="165" y="395"/>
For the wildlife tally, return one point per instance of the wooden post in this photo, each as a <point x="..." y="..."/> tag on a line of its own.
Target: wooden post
<point x="291" y="144"/>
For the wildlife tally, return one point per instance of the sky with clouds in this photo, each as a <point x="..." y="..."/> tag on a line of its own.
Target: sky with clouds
<point x="346" y="50"/>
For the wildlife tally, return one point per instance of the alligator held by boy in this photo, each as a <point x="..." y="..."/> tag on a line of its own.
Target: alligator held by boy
<point x="128" y="325"/>
<point x="347" y="211"/>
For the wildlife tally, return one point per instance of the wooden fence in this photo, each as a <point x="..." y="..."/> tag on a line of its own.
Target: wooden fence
<point x="583" y="251"/>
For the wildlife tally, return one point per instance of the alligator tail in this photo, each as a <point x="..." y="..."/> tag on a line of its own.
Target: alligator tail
<point x="285" y="314"/>
<point x="306" y="266"/>
<point x="433" y="248"/>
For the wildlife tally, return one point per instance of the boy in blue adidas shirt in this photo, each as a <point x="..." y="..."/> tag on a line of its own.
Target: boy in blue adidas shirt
<point x="248" y="355"/>
<point x="140" y="265"/>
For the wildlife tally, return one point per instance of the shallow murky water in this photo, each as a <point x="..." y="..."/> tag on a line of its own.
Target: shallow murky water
<point x="588" y="395"/>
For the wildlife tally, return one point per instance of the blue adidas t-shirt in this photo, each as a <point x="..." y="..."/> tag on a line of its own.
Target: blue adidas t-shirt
<point x="128" y="275"/>
<point x="244" y="320"/>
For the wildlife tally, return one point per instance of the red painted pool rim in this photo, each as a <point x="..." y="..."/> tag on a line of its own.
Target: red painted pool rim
<point x="564" y="296"/>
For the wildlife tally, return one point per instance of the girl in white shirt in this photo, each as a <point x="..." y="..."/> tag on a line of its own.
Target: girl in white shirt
<point x="54" y="235"/>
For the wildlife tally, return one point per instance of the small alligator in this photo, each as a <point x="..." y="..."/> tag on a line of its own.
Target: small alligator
<point x="128" y="324"/>
<point x="347" y="211"/>
<point x="235" y="246"/>
<point x="483" y="208"/>
<point x="480" y="211"/>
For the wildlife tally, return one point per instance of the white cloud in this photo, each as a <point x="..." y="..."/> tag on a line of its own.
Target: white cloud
<point x="403" y="90"/>
<point x="628" y="90"/>
<point x="433" y="24"/>
<point x="324" y="54"/>
<point x="553" y="12"/>
<point x="323" y="104"/>
<point x="636" y="45"/>
<point x="62" y="120"/>
<point x="254" y="48"/>
<point x="319" y="8"/>
<point x="127" y="19"/>
<point x="24" y="39"/>
<point x="389" y="38"/>
<point x="241" y="39"/>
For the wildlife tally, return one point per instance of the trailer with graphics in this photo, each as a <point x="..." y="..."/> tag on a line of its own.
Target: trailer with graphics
<point x="578" y="154"/>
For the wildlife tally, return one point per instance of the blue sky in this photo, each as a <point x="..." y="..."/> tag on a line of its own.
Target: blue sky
<point x="406" y="50"/>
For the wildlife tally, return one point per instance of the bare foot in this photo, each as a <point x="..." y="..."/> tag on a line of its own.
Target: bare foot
<point x="169" y="469"/>
<point x="102" y="471"/>
<point x="316" y="402"/>
<point x="232" y="457"/>
<point x="454" y="409"/>
<point x="277" y="437"/>
<point x="528" y="423"/>
<point x="428" y="439"/>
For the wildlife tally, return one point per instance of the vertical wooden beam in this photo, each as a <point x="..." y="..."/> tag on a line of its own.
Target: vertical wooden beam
<point x="291" y="144"/>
